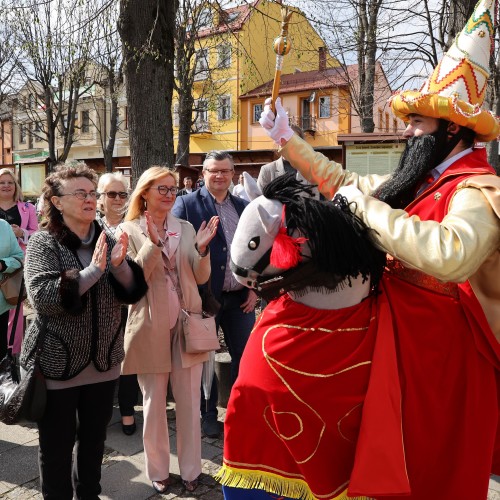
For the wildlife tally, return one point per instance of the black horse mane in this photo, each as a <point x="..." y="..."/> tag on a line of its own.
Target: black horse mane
<point x="341" y="244"/>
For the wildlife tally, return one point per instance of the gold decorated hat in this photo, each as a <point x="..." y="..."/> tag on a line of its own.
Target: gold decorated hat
<point x="455" y="91"/>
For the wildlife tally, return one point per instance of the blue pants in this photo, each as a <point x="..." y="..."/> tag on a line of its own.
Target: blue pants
<point x="241" y="494"/>
<point x="236" y="326"/>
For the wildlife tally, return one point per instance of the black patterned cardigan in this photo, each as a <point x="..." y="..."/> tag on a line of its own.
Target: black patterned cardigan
<point x="80" y="329"/>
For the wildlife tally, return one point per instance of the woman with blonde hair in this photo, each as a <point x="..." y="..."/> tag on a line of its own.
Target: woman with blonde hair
<point x="175" y="260"/>
<point x="22" y="218"/>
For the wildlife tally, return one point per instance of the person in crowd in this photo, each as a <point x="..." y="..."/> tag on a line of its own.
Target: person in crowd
<point x="200" y="182"/>
<point x="113" y="197"/>
<point x="175" y="260"/>
<point x="236" y="316"/>
<point x="77" y="277"/>
<point x="438" y="218"/>
<point x="11" y="258"/>
<point x="22" y="217"/>
<point x="239" y="189"/>
<point x="281" y="166"/>
<point x="188" y="186"/>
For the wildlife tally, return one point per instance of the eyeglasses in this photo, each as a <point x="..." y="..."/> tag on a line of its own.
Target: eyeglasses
<point x="114" y="194"/>
<point x="217" y="172"/>
<point x="163" y="190"/>
<point x="82" y="195"/>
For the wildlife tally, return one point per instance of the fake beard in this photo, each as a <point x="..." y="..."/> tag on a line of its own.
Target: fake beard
<point x="416" y="162"/>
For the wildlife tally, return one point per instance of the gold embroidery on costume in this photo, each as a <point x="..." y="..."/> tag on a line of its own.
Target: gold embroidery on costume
<point x="339" y="423"/>
<point x="274" y="364"/>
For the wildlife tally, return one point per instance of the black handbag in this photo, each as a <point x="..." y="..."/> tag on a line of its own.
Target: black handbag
<point x="22" y="400"/>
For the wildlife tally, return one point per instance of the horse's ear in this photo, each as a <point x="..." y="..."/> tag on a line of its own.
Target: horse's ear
<point x="251" y="187"/>
<point x="270" y="222"/>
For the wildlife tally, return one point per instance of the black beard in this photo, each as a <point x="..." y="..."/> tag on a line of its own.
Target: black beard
<point x="420" y="156"/>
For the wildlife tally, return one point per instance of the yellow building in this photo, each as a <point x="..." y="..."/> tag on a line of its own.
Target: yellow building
<point x="235" y="55"/>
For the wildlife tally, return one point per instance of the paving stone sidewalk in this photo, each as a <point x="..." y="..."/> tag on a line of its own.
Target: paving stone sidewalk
<point x="123" y="476"/>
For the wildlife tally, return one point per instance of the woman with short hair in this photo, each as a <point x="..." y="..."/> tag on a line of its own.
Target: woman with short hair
<point x="77" y="277"/>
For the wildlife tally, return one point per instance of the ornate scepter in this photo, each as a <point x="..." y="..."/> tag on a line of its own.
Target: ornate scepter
<point x="282" y="46"/>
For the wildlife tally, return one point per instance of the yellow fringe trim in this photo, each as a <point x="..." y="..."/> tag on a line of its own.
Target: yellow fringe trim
<point x="272" y="483"/>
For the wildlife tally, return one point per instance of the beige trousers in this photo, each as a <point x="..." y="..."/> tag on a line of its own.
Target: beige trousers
<point x="185" y="384"/>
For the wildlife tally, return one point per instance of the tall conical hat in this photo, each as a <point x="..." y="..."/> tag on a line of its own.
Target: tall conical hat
<point x="455" y="91"/>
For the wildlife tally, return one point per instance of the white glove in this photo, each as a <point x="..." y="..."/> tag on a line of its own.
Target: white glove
<point x="277" y="128"/>
<point x="350" y="192"/>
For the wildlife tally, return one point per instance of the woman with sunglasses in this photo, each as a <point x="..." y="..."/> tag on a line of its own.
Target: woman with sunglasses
<point x="113" y="197"/>
<point x="77" y="277"/>
<point x="175" y="260"/>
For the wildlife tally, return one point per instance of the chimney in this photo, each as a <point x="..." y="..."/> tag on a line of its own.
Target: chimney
<point x="322" y="58"/>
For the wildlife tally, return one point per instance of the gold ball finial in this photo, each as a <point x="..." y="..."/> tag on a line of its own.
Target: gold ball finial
<point x="282" y="46"/>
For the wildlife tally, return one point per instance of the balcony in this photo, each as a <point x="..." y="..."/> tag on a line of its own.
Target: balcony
<point x="201" y="128"/>
<point x="306" y="123"/>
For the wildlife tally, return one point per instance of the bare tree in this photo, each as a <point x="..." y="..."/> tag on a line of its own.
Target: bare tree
<point x="147" y="31"/>
<point x="109" y="80"/>
<point x="55" y="41"/>
<point x="198" y="83"/>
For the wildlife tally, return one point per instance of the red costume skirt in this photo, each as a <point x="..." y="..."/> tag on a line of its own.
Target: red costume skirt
<point x="394" y="397"/>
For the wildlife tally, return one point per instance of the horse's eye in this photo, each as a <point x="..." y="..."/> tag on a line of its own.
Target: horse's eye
<point x="254" y="243"/>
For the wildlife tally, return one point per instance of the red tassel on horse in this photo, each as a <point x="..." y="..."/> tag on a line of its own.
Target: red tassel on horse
<point x="286" y="249"/>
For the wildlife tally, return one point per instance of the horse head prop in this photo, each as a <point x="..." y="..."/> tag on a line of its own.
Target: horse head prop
<point x="288" y="241"/>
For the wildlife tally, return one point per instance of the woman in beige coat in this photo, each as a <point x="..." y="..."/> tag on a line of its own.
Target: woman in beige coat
<point x="175" y="260"/>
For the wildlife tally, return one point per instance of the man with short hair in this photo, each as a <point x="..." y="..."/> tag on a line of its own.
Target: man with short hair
<point x="188" y="186"/>
<point x="438" y="219"/>
<point x="237" y="313"/>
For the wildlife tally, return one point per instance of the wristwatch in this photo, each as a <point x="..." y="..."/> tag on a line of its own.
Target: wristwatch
<point x="205" y="253"/>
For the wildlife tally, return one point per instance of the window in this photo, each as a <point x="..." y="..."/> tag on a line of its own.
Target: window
<point x="201" y="68"/>
<point x="395" y="125"/>
<point x="224" y="112"/>
<point x="201" y="110"/>
<point x="85" y="126"/>
<point x="31" y="101"/>
<point x="206" y="18"/>
<point x="224" y="53"/>
<point x="324" y="107"/>
<point x="38" y="131"/>
<point x="387" y="122"/>
<point x="22" y="134"/>
<point x="176" y="115"/>
<point x="380" y="120"/>
<point x="257" y="110"/>
<point x="125" y="118"/>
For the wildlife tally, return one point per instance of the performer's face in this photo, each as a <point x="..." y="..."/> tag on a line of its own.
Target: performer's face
<point x="427" y="138"/>
<point x="419" y="125"/>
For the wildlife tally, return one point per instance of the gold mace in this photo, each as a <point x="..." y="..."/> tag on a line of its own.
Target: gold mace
<point x="282" y="46"/>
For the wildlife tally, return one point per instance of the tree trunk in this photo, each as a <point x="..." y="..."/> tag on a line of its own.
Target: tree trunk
<point x="147" y="32"/>
<point x="185" y="122"/>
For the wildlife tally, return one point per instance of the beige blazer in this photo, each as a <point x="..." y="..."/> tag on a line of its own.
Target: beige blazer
<point x="147" y="334"/>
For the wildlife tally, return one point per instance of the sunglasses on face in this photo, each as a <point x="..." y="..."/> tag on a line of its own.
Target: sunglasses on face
<point x="113" y="194"/>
